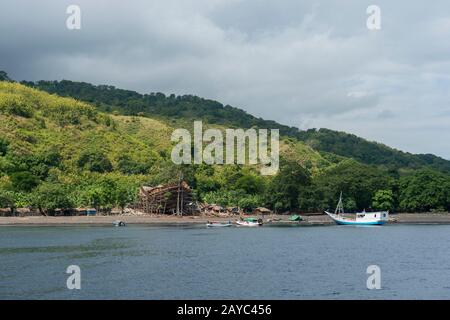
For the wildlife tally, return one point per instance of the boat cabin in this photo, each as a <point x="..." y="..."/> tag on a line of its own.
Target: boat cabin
<point x="371" y="216"/>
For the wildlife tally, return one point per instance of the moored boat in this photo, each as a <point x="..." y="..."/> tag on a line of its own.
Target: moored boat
<point x="361" y="218"/>
<point x="213" y="224"/>
<point x="249" y="222"/>
<point x="118" y="223"/>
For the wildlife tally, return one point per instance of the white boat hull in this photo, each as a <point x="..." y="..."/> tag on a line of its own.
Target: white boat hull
<point x="218" y="225"/>
<point x="362" y="218"/>
<point x="248" y="224"/>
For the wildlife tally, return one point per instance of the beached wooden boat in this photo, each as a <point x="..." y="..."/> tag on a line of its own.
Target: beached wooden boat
<point x="249" y="222"/>
<point x="361" y="218"/>
<point x="213" y="224"/>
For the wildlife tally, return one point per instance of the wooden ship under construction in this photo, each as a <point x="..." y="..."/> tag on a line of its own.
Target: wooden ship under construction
<point x="175" y="198"/>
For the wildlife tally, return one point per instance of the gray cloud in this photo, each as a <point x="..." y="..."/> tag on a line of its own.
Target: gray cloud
<point x="303" y="63"/>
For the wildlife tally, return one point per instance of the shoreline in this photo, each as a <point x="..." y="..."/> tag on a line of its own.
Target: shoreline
<point x="311" y="220"/>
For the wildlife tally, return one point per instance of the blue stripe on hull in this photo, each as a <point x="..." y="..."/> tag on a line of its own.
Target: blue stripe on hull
<point x="360" y="223"/>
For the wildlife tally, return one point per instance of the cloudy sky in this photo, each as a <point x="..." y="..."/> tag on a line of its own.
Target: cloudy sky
<point x="303" y="63"/>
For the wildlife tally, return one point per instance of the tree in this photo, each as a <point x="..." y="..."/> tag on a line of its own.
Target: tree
<point x="24" y="181"/>
<point x="101" y="194"/>
<point x="250" y="183"/>
<point x="3" y="146"/>
<point x="350" y="204"/>
<point x="250" y="201"/>
<point x="128" y="165"/>
<point x="207" y="182"/>
<point x="234" y="198"/>
<point x="424" y="190"/>
<point x="7" y="200"/>
<point x="38" y="163"/>
<point x="383" y="200"/>
<point x="94" y="161"/>
<point x="283" y="191"/>
<point x="125" y="191"/>
<point x="106" y="191"/>
<point x="50" y="196"/>
<point x="356" y="181"/>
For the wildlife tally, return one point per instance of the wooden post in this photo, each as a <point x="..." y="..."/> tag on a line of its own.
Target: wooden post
<point x="178" y="198"/>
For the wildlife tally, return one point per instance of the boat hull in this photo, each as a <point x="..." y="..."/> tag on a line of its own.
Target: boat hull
<point x="218" y="225"/>
<point x="248" y="224"/>
<point x="349" y="222"/>
<point x="355" y="223"/>
<point x="118" y="223"/>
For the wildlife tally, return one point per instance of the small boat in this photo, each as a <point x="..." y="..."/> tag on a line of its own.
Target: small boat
<point x="118" y="223"/>
<point x="213" y="224"/>
<point x="361" y="218"/>
<point x="295" y="218"/>
<point x="249" y="222"/>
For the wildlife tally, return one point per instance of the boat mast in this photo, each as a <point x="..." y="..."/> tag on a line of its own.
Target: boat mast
<point x="340" y="206"/>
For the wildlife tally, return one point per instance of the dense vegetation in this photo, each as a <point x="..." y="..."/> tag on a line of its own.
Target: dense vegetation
<point x="349" y="145"/>
<point x="60" y="153"/>
<point x="189" y="107"/>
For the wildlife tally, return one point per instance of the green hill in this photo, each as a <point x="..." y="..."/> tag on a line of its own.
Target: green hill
<point x="351" y="146"/>
<point x="188" y="108"/>
<point x="97" y="149"/>
<point x="61" y="146"/>
<point x="49" y="144"/>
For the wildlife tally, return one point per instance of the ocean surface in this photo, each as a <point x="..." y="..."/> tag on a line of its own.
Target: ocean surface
<point x="193" y="262"/>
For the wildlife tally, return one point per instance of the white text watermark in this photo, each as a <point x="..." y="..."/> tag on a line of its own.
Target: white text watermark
<point x="237" y="150"/>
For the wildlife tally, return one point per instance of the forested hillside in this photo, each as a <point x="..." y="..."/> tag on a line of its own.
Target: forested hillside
<point x="58" y="152"/>
<point x="62" y="153"/>
<point x="188" y="107"/>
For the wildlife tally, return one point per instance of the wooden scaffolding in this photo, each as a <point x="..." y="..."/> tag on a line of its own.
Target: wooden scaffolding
<point x="173" y="198"/>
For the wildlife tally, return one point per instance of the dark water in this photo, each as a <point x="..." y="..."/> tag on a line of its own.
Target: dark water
<point x="148" y="262"/>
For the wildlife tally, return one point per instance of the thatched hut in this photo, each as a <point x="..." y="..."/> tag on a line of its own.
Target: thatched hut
<point x="262" y="211"/>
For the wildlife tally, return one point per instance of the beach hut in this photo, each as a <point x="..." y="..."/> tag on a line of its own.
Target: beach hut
<point x="91" y="212"/>
<point x="262" y="211"/>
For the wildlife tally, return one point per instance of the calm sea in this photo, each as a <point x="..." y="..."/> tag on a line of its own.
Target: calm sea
<point x="167" y="262"/>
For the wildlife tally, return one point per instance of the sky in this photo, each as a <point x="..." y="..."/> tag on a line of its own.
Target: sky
<point x="308" y="64"/>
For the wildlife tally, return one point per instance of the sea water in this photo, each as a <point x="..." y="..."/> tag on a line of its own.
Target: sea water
<point x="193" y="262"/>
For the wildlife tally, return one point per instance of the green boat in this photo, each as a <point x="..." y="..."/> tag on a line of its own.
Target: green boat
<point x="250" y="222"/>
<point x="295" y="217"/>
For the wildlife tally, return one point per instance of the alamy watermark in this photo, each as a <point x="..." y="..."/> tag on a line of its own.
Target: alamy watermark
<point x="374" y="20"/>
<point x="74" y="280"/>
<point x="73" y="21"/>
<point x="237" y="150"/>
<point x="374" y="280"/>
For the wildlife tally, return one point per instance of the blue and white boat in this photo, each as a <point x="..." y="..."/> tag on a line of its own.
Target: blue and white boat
<point x="361" y="218"/>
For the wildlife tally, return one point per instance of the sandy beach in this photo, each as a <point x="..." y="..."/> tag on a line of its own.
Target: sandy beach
<point x="417" y="218"/>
